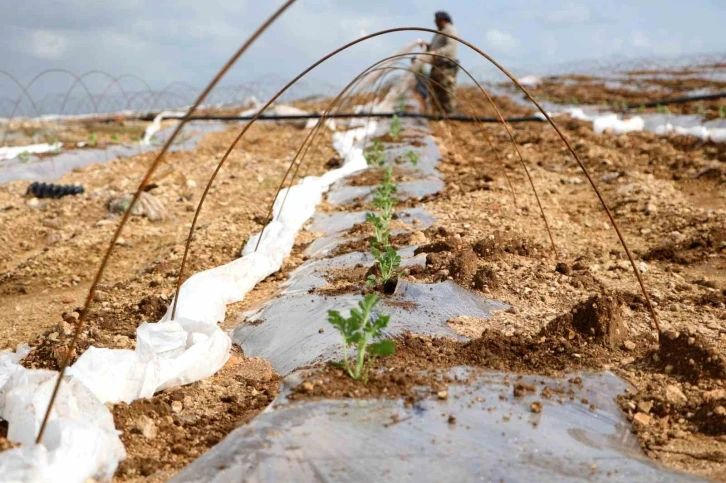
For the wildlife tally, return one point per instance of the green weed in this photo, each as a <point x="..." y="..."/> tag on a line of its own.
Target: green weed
<point x="92" y="139"/>
<point x="24" y="157"/>
<point x="722" y="111"/>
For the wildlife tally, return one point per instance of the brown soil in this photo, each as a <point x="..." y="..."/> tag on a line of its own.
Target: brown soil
<point x="50" y="252"/>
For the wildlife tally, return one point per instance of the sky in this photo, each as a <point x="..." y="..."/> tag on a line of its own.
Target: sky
<point x="187" y="41"/>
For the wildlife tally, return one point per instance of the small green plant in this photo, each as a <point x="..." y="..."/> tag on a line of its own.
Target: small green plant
<point x="381" y="232"/>
<point x="624" y="106"/>
<point x="700" y="110"/>
<point x="365" y="334"/>
<point x="641" y="108"/>
<point x="92" y="139"/>
<point x="388" y="261"/>
<point x="375" y="155"/>
<point x="574" y="101"/>
<point x="395" y="127"/>
<point x="383" y="199"/>
<point x="24" y="157"/>
<point x="722" y="111"/>
<point x="413" y="157"/>
<point x="662" y="110"/>
<point x="114" y="138"/>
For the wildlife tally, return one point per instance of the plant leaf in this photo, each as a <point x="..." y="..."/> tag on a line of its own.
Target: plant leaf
<point x="383" y="348"/>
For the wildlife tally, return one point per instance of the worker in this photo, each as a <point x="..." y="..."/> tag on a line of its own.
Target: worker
<point x="444" y="67"/>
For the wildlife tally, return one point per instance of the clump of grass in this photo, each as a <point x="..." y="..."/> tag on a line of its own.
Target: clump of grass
<point x="24" y="157"/>
<point x="92" y="139"/>
<point x="365" y="333"/>
<point x="114" y="138"/>
<point x="722" y="111"/>
<point x="662" y="110"/>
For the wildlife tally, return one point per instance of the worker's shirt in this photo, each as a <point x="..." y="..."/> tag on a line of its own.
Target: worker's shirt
<point x="443" y="45"/>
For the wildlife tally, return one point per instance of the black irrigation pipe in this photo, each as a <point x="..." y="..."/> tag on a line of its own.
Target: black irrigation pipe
<point x="679" y="100"/>
<point x="345" y="115"/>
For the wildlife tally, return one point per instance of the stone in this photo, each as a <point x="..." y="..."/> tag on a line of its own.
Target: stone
<point x="641" y="419"/>
<point x="418" y="238"/>
<point x="536" y="407"/>
<point x="176" y="406"/>
<point x="645" y="406"/>
<point x="100" y="296"/>
<point x="674" y="395"/>
<point x="629" y="345"/>
<point x="146" y="426"/>
<point x="443" y="395"/>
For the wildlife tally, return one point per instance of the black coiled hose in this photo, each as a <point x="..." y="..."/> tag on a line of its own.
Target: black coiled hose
<point x="49" y="190"/>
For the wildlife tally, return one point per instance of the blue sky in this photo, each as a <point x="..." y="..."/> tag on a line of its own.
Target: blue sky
<point x="188" y="40"/>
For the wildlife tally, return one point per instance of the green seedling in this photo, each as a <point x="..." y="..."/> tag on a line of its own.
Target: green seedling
<point x="365" y="334"/>
<point x="388" y="261"/>
<point x="413" y="157"/>
<point x="722" y="111"/>
<point x="574" y="101"/>
<point x="624" y="106"/>
<point x="114" y="138"/>
<point x="662" y="110"/>
<point x="24" y="157"/>
<point x="395" y="127"/>
<point x="381" y="232"/>
<point x="641" y="108"/>
<point x="92" y="139"/>
<point x="700" y="110"/>
<point x="375" y="155"/>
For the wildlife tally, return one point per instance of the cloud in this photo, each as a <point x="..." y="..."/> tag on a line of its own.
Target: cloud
<point x="570" y="14"/>
<point x="45" y="44"/>
<point x="501" y="41"/>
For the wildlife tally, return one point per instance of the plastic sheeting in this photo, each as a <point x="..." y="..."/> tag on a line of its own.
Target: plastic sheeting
<point x="80" y="441"/>
<point x="481" y="432"/>
<point x="12" y="152"/>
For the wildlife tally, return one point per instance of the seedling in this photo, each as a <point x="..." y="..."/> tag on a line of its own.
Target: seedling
<point x="574" y="101"/>
<point x="395" y="127"/>
<point x="413" y="157"/>
<point x="662" y="110"/>
<point x="114" y="138"/>
<point x="624" y="106"/>
<point x="375" y="156"/>
<point x="381" y="232"/>
<point x="700" y="110"/>
<point x="388" y="261"/>
<point x="361" y="330"/>
<point x="641" y="108"/>
<point x="24" y="157"/>
<point x="722" y="111"/>
<point x="92" y="139"/>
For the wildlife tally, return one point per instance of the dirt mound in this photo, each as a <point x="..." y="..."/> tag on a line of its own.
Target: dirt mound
<point x="598" y="318"/>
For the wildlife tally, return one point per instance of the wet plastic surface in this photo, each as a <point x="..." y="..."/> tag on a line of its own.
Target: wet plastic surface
<point x="494" y="437"/>
<point x="287" y="330"/>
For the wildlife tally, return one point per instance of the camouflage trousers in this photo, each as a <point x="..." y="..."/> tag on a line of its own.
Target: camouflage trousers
<point x="443" y="88"/>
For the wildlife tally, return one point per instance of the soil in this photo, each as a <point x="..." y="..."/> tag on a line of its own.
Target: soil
<point x="51" y="249"/>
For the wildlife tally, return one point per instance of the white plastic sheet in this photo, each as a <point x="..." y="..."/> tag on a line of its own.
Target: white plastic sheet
<point x="80" y="441"/>
<point x="12" y="152"/>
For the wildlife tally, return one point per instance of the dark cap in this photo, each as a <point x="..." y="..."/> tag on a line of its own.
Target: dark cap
<point x="443" y="16"/>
